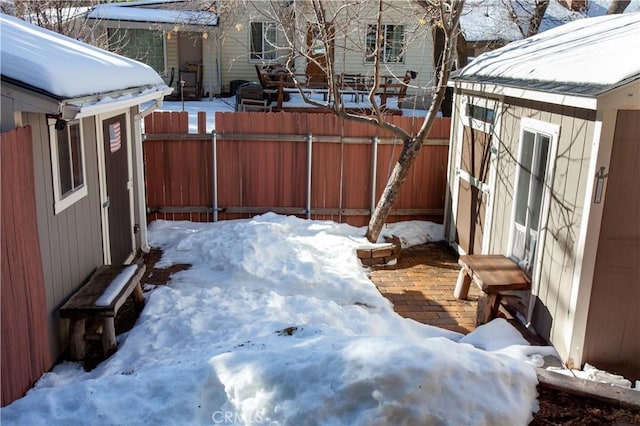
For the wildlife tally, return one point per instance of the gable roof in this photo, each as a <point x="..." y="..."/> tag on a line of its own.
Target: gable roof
<point x="138" y="12"/>
<point x="585" y="57"/>
<point x="65" y="68"/>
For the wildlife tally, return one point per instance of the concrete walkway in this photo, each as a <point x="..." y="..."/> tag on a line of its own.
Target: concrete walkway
<point x="421" y="284"/>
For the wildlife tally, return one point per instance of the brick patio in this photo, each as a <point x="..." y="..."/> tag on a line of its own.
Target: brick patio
<point x="421" y="284"/>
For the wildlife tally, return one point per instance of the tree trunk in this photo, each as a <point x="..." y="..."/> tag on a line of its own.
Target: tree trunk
<point x="538" y="15"/>
<point x="617" y="6"/>
<point x="412" y="146"/>
<point x="399" y="174"/>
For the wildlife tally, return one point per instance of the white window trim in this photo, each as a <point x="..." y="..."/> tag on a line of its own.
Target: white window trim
<point x="62" y="203"/>
<point x="368" y="61"/>
<point x="474" y="123"/>
<point x="264" y="41"/>
<point x="553" y="131"/>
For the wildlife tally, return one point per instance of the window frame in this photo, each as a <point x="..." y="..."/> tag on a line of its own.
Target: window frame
<point x="62" y="201"/>
<point x="259" y="56"/>
<point x="369" y="57"/>
<point x="538" y="129"/>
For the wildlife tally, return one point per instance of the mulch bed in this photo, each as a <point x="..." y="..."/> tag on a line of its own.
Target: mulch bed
<point x="556" y="407"/>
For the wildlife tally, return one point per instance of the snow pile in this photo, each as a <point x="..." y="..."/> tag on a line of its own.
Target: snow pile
<point x="276" y="323"/>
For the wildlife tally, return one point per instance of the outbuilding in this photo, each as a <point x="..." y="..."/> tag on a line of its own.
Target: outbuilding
<point x="72" y="182"/>
<point x="543" y="168"/>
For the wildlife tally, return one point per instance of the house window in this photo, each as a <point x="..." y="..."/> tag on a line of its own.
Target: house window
<point x="263" y="41"/>
<point x="142" y="45"/>
<point x="391" y="44"/>
<point x="532" y="185"/>
<point x="67" y="162"/>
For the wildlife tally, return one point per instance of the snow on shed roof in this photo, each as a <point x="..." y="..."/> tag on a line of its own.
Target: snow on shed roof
<point x="64" y="67"/>
<point x="132" y="12"/>
<point x="588" y="56"/>
<point x="493" y="20"/>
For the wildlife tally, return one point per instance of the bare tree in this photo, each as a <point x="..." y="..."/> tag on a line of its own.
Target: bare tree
<point x="617" y="6"/>
<point x="67" y="17"/>
<point x="351" y="29"/>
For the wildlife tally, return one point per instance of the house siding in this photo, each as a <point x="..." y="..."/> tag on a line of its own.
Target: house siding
<point x="70" y="241"/>
<point x="559" y="254"/>
<point x="171" y="53"/>
<point x="349" y="50"/>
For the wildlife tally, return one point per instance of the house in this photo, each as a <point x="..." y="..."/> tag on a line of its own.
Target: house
<point x="234" y="39"/>
<point x="489" y="24"/>
<point x="72" y="182"/>
<point x="174" y="38"/>
<point x="543" y="164"/>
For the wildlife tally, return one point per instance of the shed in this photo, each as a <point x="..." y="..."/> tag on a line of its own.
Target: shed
<point x="72" y="182"/>
<point x="543" y="167"/>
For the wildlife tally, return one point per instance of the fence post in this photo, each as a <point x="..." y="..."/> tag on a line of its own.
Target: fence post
<point x="374" y="171"/>
<point x="214" y="172"/>
<point x="309" y="151"/>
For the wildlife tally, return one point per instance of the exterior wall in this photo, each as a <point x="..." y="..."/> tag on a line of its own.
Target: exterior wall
<point x="552" y="317"/>
<point x="71" y="241"/>
<point x="171" y="58"/>
<point x="349" y="45"/>
<point x="614" y="314"/>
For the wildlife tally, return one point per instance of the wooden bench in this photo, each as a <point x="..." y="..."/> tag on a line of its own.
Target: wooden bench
<point x="494" y="275"/>
<point x="94" y="306"/>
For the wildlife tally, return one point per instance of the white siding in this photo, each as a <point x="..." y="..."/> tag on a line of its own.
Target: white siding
<point x="349" y="46"/>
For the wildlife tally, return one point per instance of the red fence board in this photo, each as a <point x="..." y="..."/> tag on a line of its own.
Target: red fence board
<point x="25" y="344"/>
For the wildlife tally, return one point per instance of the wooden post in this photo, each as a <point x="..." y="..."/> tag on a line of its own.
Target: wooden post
<point x="109" y="344"/>
<point x="462" y="285"/>
<point x="77" y="344"/>
<point x="138" y="297"/>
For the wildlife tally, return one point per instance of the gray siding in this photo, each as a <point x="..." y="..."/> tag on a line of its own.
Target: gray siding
<point x="71" y="241"/>
<point x="565" y="211"/>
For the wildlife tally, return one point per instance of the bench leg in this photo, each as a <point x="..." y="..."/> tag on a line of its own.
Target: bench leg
<point x="77" y="343"/>
<point x="138" y="297"/>
<point x="108" y="336"/>
<point x="462" y="285"/>
<point x="487" y="308"/>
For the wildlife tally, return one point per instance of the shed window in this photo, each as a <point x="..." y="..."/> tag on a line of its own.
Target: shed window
<point x="263" y="41"/>
<point x="67" y="162"/>
<point x="477" y="112"/>
<point x="391" y="44"/>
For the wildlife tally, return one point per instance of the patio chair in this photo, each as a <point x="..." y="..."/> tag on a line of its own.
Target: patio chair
<point x="250" y="97"/>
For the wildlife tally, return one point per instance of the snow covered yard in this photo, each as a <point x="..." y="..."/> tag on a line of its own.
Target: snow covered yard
<point x="277" y="323"/>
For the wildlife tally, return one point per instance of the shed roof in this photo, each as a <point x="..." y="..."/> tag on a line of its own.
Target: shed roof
<point x="137" y="12"/>
<point x="65" y="68"/>
<point x="585" y="57"/>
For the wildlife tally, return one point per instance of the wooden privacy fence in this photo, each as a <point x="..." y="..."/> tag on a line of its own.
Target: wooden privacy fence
<point x="311" y="165"/>
<point x="24" y="343"/>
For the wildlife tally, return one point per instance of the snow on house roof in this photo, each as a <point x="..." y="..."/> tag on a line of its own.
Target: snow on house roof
<point x="133" y="12"/>
<point x="65" y="68"/>
<point x="508" y="20"/>
<point x="588" y="57"/>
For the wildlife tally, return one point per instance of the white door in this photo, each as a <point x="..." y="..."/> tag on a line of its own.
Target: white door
<point x="532" y="189"/>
